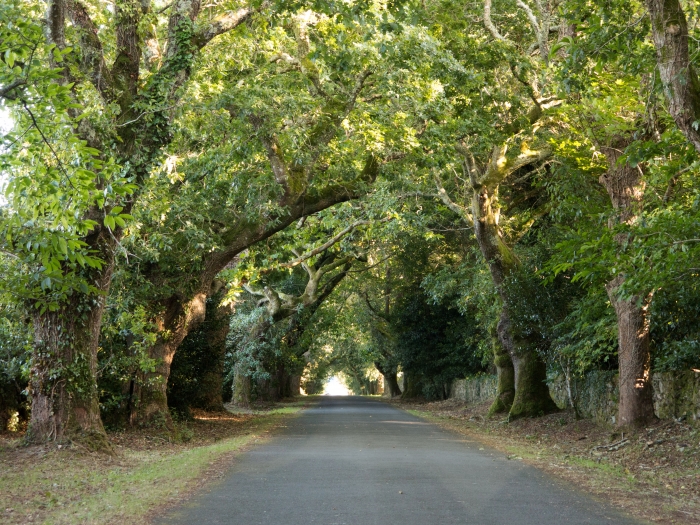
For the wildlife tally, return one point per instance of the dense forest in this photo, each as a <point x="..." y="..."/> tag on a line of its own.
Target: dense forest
<point x="220" y="201"/>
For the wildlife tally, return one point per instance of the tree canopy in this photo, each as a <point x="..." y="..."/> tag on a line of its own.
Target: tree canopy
<point x="235" y="199"/>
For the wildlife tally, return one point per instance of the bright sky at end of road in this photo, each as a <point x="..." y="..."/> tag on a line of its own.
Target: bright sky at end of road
<point x="335" y="387"/>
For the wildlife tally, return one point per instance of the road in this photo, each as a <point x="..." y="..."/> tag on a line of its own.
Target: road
<point x="358" y="461"/>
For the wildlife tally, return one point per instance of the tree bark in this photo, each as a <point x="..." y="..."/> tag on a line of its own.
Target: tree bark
<point x="679" y="77"/>
<point x="532" y="396"/>
<point x="63" y="377"/>
<point x="241" y="388"/>
<point x="412" y="386"/>
<point x="151" y="408"/>
<point x="636" y="406"/>
<point x="294" y="385"/>
<point x="390" y="378"/>
<point x="392" y="382"/>
<point x="211" y="395"/>
<point x="505" y="390"/>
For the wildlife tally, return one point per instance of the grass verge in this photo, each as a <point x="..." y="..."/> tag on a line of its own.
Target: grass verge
<point x="52" y="485"/>
<point x="653" y="475"/>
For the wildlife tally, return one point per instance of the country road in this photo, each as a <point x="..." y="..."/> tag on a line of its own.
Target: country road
<point x="358" y="461"/>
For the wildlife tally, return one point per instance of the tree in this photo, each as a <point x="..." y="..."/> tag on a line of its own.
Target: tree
<point x="487" y="166"/>
<point x="197" y="378"/>
<point x="324" y="141"/>
<point x="280" y="306"/>
<point x="678" y="73"/>
<point x="115" y="92"/>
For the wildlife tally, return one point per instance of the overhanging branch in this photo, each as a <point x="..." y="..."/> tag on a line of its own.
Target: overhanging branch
<point x="6" y="92"/>
<point x="92" y="62"/>
<point x="222" y="24"/>
<point x="333" y="240"/>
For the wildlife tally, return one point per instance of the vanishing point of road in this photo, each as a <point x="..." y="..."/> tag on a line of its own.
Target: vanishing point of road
<point x="358" y="461"/>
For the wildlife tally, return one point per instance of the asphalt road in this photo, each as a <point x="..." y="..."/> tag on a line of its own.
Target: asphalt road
<point x="357" y="461"/>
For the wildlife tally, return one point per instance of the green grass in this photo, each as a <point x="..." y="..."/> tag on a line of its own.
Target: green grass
<point x="63" y="487"/>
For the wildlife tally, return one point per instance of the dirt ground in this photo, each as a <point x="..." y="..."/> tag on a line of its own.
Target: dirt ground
<point x="148" y="471"/>
<point x="652" y="473"/>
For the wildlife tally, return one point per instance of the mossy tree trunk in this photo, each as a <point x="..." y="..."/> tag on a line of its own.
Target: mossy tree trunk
<point x="505" y="390"/>
<point x="412" y="386"/>
<point x="391" y="379"/>
<point x="197" y="371"/>
<point x="211" y="393"/>
<point x="531" y="396"/>
<point x="64" y="363"/>
<point x="626" y="190"/>
<point x="63" y="384"/>
<point x="241" y="388"/>
<point x="63" y="375"/>
<point x="151" y="392"/>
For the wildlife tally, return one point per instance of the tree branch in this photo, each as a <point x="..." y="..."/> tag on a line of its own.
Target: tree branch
<point x="5" y="92"/>
<point x="530" y="16"/>
<point x="489" y="23"/>
<point x="248" y="289"/>
<point x="92" y="63"/>
<point x="501" y="166"/>
<point x="222" y="24"/>
<point x="333" y="240"/>
<point x="456" y="208"/>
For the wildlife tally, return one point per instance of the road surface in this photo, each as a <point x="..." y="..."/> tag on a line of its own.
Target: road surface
<point x="358" y="461"/>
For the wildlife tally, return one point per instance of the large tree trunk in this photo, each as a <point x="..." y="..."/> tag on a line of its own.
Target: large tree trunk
<point x="150" y="393"/>
<point x="273" y="388"/>
<point x="532" y="396"/>
<point x="505" y="390"/>
<point x="390" y="379"/>
<point x="412" y="386"/>
<point x="151" y="407"/>
<point x="294" y="385"/>
<point x="63" y="383"/>
<point x="211" y="394"/>
<point x="636" y="407"/>
<point x="680" y="80"/>
<point x="392" y="383"/>
<point x="241" y="388"/>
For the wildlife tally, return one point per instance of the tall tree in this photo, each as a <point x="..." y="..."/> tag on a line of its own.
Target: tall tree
<point x="519" y="109"/>
<point x="293" y="130"/>
<point x="678" y="72"/>
<point x="118" y="100"/>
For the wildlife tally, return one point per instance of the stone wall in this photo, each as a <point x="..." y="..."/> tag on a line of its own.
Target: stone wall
<point x="475" y="389"/>
<point x="596" y="394"/>
<point x="676" y="394"/>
